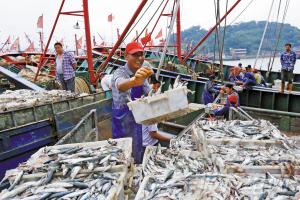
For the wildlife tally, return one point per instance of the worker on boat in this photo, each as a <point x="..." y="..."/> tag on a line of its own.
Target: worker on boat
<point x="211" y="90"/>
<point x="260" y="81"/>
<point x="234" y="74"/>
<point x="65" y="65"/>
<point x="248" y="80"/>
<point x="155" y="84"/>
<point x="288" y="61"/>
<point x="152" y="137"/>
<point x="105" y="81"/>
<point x="231" y="101"/>
<point x="129" y="83"/>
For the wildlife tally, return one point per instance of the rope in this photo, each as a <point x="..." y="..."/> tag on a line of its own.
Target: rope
<point x="217" y="34"/>
<point x="151" y="19"/>
<point x="138" y="20"/>
<point x="264" y="33"/>
<point x="174" y="14"/>
<point x="281" y="27"/>
<point x="118" y="58"/>
<point x="241" y="12"/>
<point x="222" y="47"/>
<point x="276" y="31"/>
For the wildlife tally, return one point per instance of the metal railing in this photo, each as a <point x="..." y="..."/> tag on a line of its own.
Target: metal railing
<point x="86" y="130"/>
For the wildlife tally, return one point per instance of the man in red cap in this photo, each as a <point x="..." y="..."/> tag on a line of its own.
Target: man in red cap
<point x="231" y="101"/>
<point x="128" y="83"/>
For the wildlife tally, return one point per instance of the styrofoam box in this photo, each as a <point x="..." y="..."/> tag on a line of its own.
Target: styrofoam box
<point x="159" y="105"/>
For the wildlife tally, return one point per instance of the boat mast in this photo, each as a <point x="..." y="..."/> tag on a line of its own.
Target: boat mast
<point x="178" y="35"/>
<point x="162" y="58"/>
<point x="82" y="13"/>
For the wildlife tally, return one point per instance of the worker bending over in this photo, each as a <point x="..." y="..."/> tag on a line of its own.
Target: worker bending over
<point x="231" y="101"/>
<point x="211" y="90"/>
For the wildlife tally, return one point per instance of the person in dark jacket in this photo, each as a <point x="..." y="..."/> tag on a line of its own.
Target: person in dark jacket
<point x="231" y="101"/>
<point x="249" y="79"/>
<point x="211" y="90"/>
<point x="235" y="75"/>
<point x="288" y="61"/>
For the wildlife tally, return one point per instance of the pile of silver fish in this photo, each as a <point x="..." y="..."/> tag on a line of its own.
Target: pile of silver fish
<point x="159" y="160"/>
<point x="218" y="186"/>
<point x="68" y="173"/>
<point x="222" y="144"/>
<point x="11" y="100"/>
<point x="256" y="129"/>
<point x="256" y="155"/>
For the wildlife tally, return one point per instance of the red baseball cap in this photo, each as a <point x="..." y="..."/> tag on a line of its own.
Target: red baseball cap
<point x="134" y="47"/>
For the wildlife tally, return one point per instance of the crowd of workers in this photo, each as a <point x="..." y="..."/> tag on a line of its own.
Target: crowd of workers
<point x="246" y="77"/>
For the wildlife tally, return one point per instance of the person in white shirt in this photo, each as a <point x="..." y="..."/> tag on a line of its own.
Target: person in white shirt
<point x="106" y="82"/>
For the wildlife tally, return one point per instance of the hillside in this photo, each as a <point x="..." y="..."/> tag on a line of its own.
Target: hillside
<point x="244" y="35"/>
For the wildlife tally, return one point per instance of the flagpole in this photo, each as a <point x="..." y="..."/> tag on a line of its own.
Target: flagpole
<point x="76" y="44"/>
<point x="19" y="49"/>
<point x="42" y="34"/>
<point x="6" y="43"/>
<point x="111" y="32"/>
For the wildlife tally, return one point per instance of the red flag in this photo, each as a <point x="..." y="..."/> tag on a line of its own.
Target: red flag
<point x="110" y="17"/>
<point x="30" y="48"/>
<point x="162" y="42"/>
<point x="118" y="33"/>
<point x="159" y="35"/>
<point x="79" y="43"/>
<point x="16" y="45"/>
<point x="146" y="39"/>
<point x="40" y="22"/>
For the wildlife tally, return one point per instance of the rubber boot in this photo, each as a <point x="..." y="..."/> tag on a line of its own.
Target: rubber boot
<point x="290" y="87"/>
<point x="282" y="87"/>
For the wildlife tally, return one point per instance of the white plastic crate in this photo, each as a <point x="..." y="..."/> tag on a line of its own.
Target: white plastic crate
<point x="168" y="105"/>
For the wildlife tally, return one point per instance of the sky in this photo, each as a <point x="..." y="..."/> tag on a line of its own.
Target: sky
<point x="20" y="16"/>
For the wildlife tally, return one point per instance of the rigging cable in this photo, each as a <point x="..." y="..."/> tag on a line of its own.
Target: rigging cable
<point x="117" y="59"/>
<point x="241" y="12"/>
<point x="264" y="33"/>
<point x="281" y="27"/>
<point x="138" y="20"/>
<point x="151" y="18"/>
<point x="174" y="15"/>
<point x="217" y="33"/>
<point x="276" y="33"/>
<point x="222" y="46"/>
